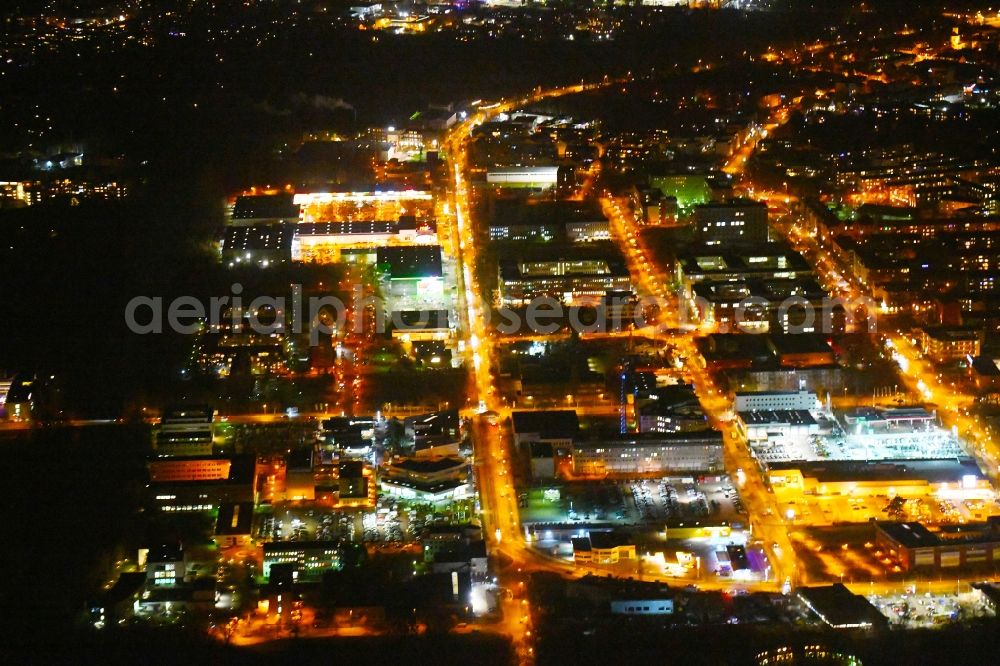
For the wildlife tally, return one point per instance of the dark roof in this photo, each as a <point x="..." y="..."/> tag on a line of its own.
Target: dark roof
<point x="429" y="465"/>
<point x="985" y="366"/>
<point x="285" y="546"/>
<point x="609" y="539"/>
<point x="272" y="237"/>
<point x="932" y="471"/>
<point x="908" y="535"/>
<point x="127" y="586"/>
<point x="187" y="414"/>
<point x="345" y="228"/>
<point x="519" y="212"/>
<point x="265" y="206"/>
<point x="417" y="320"/>
<point x="511" y="266"/>
<point x="411" y="262"/>
<point x="462" y="552"/>
<point x="795" y="417"/>
<point x="165" y="552"/>
<point x="234" y="518"/>
<point x="732" y="346"/>
<point x="839" y="607"/>
<point x="551" y="424"/>
<point x="731" y="204"/>
<point x="953" y="333"/>
<point x="687" y="438"/>
<point x="426" y="487"/>
<point x="351" y="468"/>
<point x="800" y="343"/>
<point x="541" y="450"/>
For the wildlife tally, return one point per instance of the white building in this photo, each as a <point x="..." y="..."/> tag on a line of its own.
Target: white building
<point x="642" y="607"/>
<point x="775" y="400"/>
<point x="534" y="177"/>
<point x="796" y="425"/>
<point x="670" y="452"/>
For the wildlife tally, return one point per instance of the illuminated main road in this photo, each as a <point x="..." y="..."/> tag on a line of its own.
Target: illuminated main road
<point x="498" y="497"/>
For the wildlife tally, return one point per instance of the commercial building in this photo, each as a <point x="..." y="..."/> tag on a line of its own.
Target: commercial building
<point x="649" y="454"/>
<point x="572" y="221"/>
<point x="957" y="478"/>
<point x="531" y="177"/>
<point x="769" y="262"/>
<point x="914" y="547"/>
<point x="558" y="427"/>
<point x="185" y="431"/>
<point x="603" y="548"/>
<point x="420" y="325"/>
<point x="820" y="379"/>
<point x="433" y="431"/>
<point x="364" y="206"/>
<point x="309" y="558"/>
<point x="733" y="351"/>
<point x="234" y="525"/>
<point x="765" y="425"/>
<point x="671" y="409"/>
<point x="332" y="242"/>
<point x="770" y="400"/>
<point x="412" y="271"/>
<point x="840" y="608"/>
<point x="201" y="484"/>
<point x="737" y="221"/>
<point x="356" y="486"/>
<point x="189" y="468"/>
<point x="261" y="244"/>
<point x="579" y="277"/>
<point x="798" y="305"/>
<point x="434" y="481"/>
<point x="264" y="209"/>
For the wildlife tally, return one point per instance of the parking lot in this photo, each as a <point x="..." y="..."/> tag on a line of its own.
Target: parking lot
<point x="921" y="611"/>
<point x="392" y="522"/>
<point x="831" y="510"/>
<point x="653" y="502"/>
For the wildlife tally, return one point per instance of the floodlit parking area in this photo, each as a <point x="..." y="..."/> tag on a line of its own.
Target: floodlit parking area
<point x="293" y="523"/>
<point x="690" y="528"/>
<point x="637" y="502"/>
<point x="830" y="510"/>
<point x="912" y="610"/>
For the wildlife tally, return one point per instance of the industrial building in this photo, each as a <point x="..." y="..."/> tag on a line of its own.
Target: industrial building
<point x="649" y="454"/>
<point x="944" y="479"/>
<point x="840" y="608"/>
<point x="914" y="547"/>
